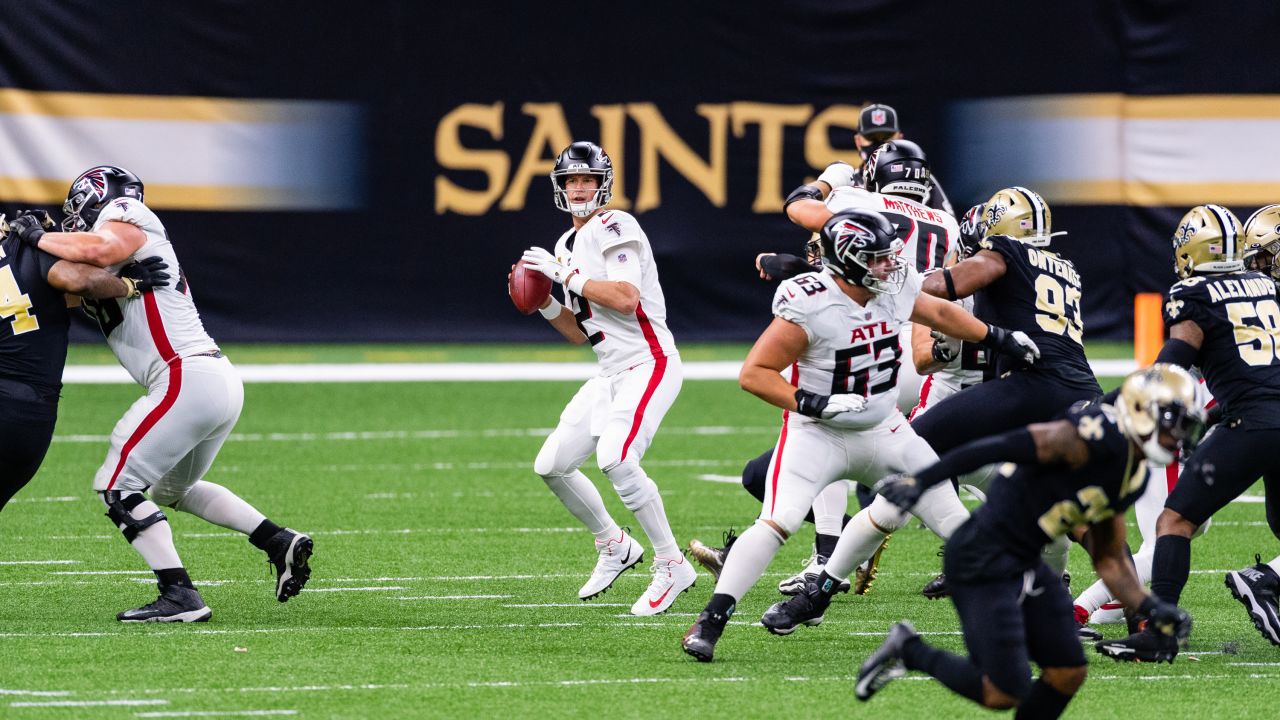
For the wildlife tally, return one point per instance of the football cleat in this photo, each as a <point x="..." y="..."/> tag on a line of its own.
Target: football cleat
<point x="1255" y="587"/>
<point x="936" y="588"/>
<point x="865" y="574"/>
<point x="885" y="664"/>
<point x="1083" y="631"/>
<point x="712" y="558"/>
<point x="813" y="567"/>
<point x="700" y="640"/>
<point x="175" y="604"/>
<point x="1109" y="613"/>
<point x="1144" y="646"/>
<point x="671" y="577"/>
<point x="806" y="608"/>
<point x="616" y="556"/>
<point x="288" y="551"/>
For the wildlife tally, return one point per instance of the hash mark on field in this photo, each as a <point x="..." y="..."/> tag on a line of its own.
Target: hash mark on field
<point x="358" y="589"/>
<point x="39" y="562"/>
<point x="213" y="713"/>
<point x="87" y="703"/>
<point x="58" y="498"/>
<point x="454" y="597"/>
<point x="36" y="693"/>
<point x="567" y="605"/>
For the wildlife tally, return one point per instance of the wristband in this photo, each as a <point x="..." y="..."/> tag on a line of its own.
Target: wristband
<point x="552" y="310"/>
<point x="951" y="285"/>
<point x="130" y="288"/>
<point x="575" y="283"/>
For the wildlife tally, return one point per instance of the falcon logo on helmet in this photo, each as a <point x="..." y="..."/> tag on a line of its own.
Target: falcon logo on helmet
<point x="92" y="190"/>
<point x="861" y="247"/>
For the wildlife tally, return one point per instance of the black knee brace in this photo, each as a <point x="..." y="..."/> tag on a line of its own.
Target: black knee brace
<point x="119" y="507"/>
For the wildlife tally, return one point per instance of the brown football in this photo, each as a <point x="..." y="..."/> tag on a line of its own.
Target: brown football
<point x="528" y="288"/>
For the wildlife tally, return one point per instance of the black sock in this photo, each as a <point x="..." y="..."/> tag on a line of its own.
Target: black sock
<point x="825" y="544"/>
<point x="264" y="532"/>
<point x="958" y="673"/>
<point x="1170" y="567"/>
<point x="865" y="496"/>
<point x="174" y="576"/>
<point x="845" y="521"/>
<point x="720" y="608"/>
<point x="827" y="586"/>
<point x="1044" y="701"/>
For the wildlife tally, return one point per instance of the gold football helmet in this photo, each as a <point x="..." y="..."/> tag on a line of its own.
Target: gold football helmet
<point x="1262" y="241"/>
<point x="1208" y="240"/>
<point x="1160" y="398"/>
<point x="1021" y="214"/>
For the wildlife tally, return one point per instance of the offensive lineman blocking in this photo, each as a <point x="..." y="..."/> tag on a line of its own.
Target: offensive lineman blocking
<point x="615" y="303"/>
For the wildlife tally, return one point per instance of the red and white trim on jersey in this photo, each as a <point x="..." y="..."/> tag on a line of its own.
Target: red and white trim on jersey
<point x="924" y="397"/>
<point x="646" y="329"/>
<point x="782" y="444"/>
<point x="155" y="324"/>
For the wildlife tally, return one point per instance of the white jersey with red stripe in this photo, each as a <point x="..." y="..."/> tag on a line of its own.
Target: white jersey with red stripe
<point x="620" y="341"/>
<point x="928" y="235"/>
<point x="852" y="348"/>
<point x="146" y="335"/>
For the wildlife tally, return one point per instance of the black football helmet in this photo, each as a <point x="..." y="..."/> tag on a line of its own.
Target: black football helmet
<point x="583" y="158"/>
<point x="853" y="241"/>
<point x="92" y="191"/>
<point x="972" y="230"/>
<point x="898" y="167"/>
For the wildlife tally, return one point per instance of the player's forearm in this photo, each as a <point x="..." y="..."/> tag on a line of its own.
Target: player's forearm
<point x="82" y="247"/>
<point x="809" y="214"/>
<point x="567" y="326"/>
<point x="87" y="281"/>
<point x="949" y="319"/>
<point x="619" y="296"/>
<point x="766" y="384"/>
<point x="1117" y="573"/>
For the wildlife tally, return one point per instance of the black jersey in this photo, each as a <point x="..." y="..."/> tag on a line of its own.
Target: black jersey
<point x="1038" y="294"/>
<point x="1029" y="505"/>
<point x="33" y="324"/>
<point x="1240" y="355"/>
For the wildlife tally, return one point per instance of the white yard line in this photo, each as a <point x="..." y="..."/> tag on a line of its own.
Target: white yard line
<point x="85" y="703"/>
<point x="378" y="588"/>
<point x="39" y="562"/>
<point x="213" y="713"/>
<point x="455" y="597"/>
<point x="367" y="435"/>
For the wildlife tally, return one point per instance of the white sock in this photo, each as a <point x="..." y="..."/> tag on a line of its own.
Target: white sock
<point x="752" y="552"/>
<point x="652" y="516"/>
<point x="1094" y="597"/>
<point x="858" y="541"/>
<point x="155" y="544"/>
<point x="220" y="506"/>
<point x="580" y="496"/>
<point x="1275" y="564"/>
<point x="1142" y="560"/>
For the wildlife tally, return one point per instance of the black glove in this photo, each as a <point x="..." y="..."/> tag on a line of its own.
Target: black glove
<point x="900" y="489"/>
<point x="146" y="274"/>
<point x="30" y="226"/>
<point x="1166" y="618"/>
<point x="942" y="351"/>
<point x="1014" y="344"/>
<point x="811" y="404"/>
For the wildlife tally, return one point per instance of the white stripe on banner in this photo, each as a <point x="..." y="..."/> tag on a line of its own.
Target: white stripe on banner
<point x="460" y="372"/>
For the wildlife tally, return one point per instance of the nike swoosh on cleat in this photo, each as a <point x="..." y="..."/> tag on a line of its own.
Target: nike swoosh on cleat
<point x="653" y="604"/>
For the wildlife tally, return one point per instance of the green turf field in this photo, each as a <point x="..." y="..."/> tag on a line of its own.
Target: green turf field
<point x="445" y="580"/>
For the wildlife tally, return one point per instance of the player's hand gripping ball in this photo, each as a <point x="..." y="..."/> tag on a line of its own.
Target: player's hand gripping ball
<point x="528" y="288"/>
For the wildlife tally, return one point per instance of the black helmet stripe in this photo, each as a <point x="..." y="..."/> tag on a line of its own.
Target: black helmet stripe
<point x="1036" y="205"/>
<point x="1228" y="231"/>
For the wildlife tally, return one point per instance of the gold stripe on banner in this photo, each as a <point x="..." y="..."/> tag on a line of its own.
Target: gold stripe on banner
<point x="152" y="107"/>
<point x="1203" y="107"/>
<point x="1171" y="194"/>
<point x="42" y="191"/>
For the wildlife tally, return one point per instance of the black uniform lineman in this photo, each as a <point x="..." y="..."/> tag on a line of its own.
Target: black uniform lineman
<point x="33" y="342"/>
<point x="1085" y="469"/>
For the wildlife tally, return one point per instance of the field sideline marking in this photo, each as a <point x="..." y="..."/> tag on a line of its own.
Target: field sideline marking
<point x="213" y="713"/>
<point x="359" y="435"/>
<point x="454" y="372"/>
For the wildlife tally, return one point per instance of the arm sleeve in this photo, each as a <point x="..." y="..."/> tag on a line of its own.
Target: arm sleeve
<point x="46" y="262"/>
<point x="1016" y="446"/>
<point x="622" y="263"/>
<point x="785" y="267"/>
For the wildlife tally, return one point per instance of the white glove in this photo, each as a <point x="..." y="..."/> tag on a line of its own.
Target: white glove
<point x="535" y="258"/>
<point x="843" y="403"/>
<point x="838" y="174"/>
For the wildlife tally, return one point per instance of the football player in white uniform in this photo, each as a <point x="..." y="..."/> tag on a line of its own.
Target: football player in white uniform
<point x="837" y="330"/>
<point x="168" y="439"/>
<point x="613" y="301"/>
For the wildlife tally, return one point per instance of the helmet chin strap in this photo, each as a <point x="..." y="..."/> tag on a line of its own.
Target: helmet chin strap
<point x="582" y="209"/>
<point x="1156" y="452"/>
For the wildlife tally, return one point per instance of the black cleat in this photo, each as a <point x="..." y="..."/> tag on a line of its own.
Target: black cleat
<point x="712" y="558"/>
<point x="700" y="640"/>
<point x="288" y="551"/>
<point x="807" y="608"/>
<point x="1255" y="587"/>
<point x="936" y="588"/>
<point x="885" y="664"/>
<point x="1146" y="645"/>
<point x="175" y="604"/>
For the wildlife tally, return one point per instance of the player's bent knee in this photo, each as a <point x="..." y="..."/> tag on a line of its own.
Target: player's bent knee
<point x="545" y="464"/>
<point x="995" y="698"/>
<point x="1066" y="680"/>
<point x="1171" y="522"/>
<point x="634" y="487"/>
<point x="772" y="526"/>
<point x="885" y="516"/>
<point x="167" y="497"/>
<point x="120" y="505"/>
<point x="786" y="521"/>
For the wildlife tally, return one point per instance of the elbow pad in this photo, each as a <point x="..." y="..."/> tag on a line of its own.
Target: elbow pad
<point x="804" y="192"/>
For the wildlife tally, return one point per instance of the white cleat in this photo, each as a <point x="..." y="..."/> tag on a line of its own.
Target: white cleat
<point x="671" y="576"/>
<point x="616" y="557"/>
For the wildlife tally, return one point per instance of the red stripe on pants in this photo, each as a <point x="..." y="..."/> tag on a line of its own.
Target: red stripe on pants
<point x="156" y="325"/>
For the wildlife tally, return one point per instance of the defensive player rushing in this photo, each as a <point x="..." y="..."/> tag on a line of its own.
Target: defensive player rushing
<point x="897" y="179"/>
<point x="1225" y="320"/>
<point x="838" y="331"/>
<point x="1084" y="469"/>
<point x="615" y="303"/>
<point x="168" y="439"/>
<point x="33" y="342"/>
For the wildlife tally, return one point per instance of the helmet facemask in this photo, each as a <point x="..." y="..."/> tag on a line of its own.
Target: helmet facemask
<point x="92" y="191"/>
<point x="601" y="197"/>
<point x="1160" y="400"/>
<point x="878" y="276"/>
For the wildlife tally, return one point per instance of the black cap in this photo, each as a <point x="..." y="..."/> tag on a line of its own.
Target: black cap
<point x="877" y="120"/>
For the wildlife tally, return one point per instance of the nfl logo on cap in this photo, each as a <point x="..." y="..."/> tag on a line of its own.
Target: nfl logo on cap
<point x="877" y="116"/>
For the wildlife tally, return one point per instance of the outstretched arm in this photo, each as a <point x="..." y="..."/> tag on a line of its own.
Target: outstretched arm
<point x="113" y="243"/>
<point x="967" y="276"/>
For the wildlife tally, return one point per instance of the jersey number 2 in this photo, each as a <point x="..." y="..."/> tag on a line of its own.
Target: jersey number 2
<point x="15" y="304"/>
